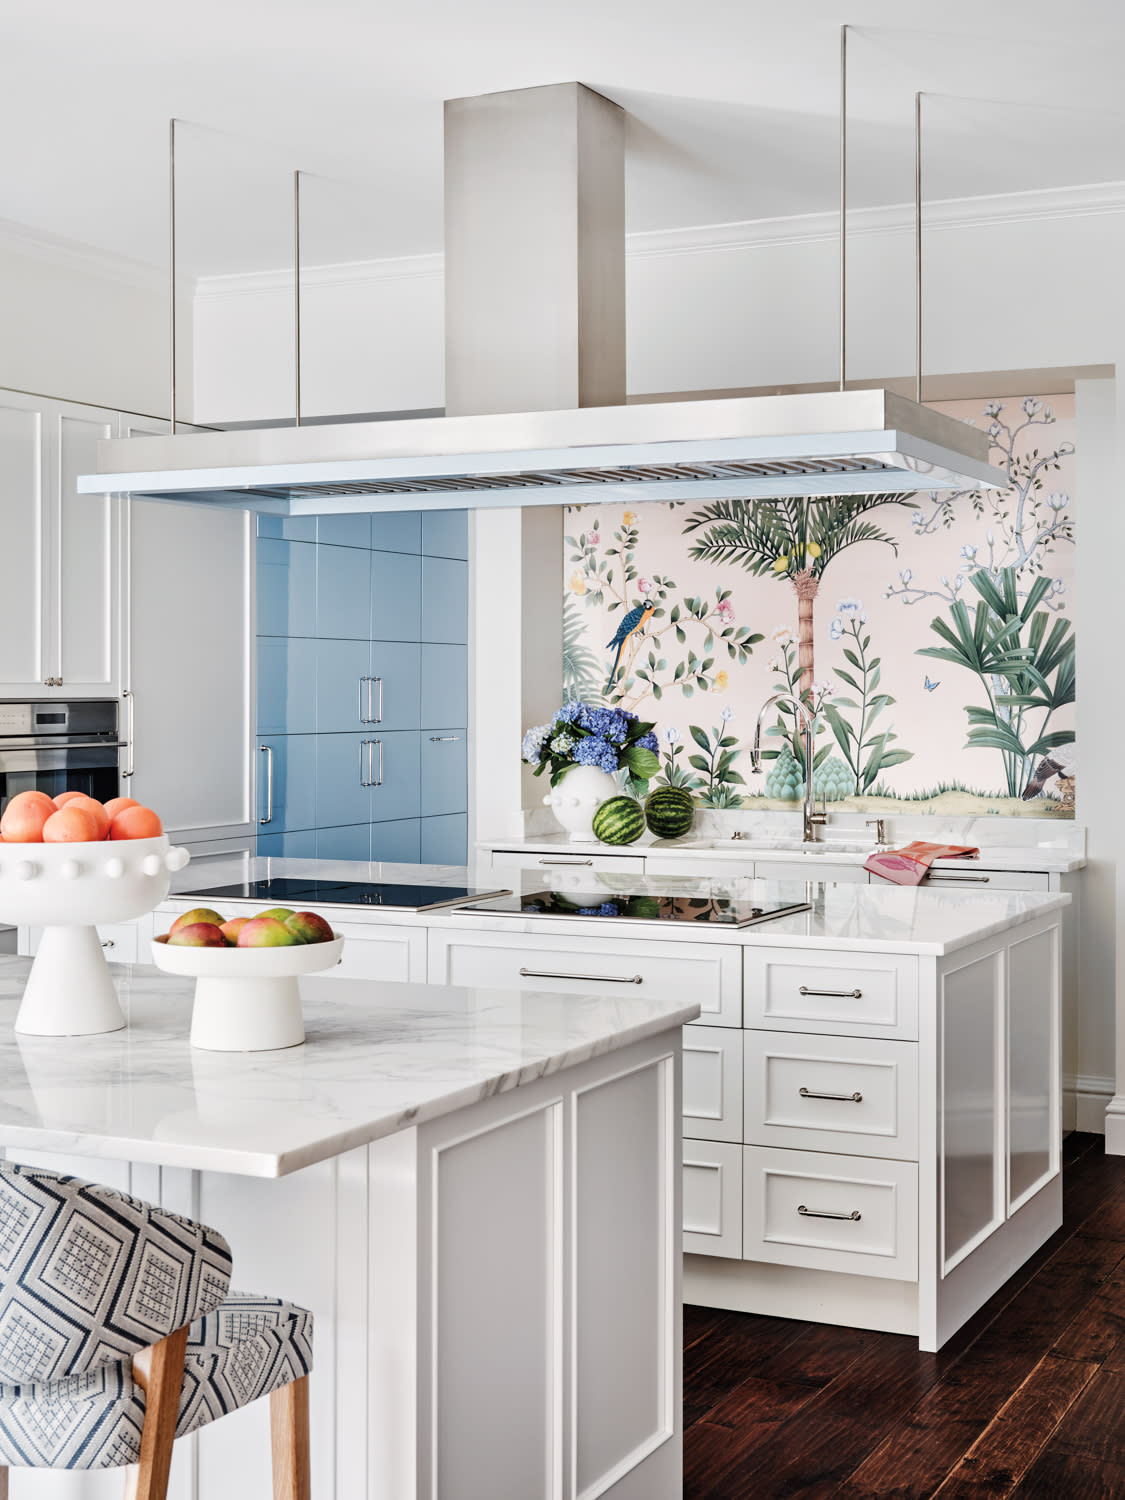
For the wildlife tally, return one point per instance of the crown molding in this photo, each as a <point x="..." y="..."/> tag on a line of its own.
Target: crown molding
<point x="83" y="259"/>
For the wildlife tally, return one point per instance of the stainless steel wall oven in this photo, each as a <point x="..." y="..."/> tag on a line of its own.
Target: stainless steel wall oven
<point x="54" y="747"/>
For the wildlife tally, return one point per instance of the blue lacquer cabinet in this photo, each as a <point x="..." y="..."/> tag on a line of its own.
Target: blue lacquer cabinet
<point x="363" y="686"/>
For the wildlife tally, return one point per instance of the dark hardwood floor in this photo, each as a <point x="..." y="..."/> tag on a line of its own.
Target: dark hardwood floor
<point x="1027" y="1400"/>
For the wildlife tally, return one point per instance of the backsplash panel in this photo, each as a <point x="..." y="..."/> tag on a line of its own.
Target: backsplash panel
<point x="932" y="634"/>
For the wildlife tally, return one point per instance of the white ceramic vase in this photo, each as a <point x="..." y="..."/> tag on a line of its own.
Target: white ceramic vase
<point x="576" y="799"/>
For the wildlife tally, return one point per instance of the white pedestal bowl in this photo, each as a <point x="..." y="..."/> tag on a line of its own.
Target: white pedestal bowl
<point x="67" y="889"/>
<point x="247" y="999"/>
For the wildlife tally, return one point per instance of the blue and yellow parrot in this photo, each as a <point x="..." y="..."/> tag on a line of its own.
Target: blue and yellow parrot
<point x="636" y="619"/>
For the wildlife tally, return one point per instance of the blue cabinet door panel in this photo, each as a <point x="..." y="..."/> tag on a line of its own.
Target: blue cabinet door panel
<point x="445" y="533"/>
<point x="445" y="840"/>
<point x="397" y="531"/>
<point x="341" y="695"/>
<point x="445" y="600"/>
<point x="291" y="761"/>
<point x="288" y="845"/>
<point x="396" y="842"/>
<point x="396" y="597"/>
<point x="445" y="685"/>
<point x="286" y="582"/>
<point x="444" y="778"/>
<point x="344" y="531"/>
<point x="341" y="769"/>
<point x="398" y="795"/>
<point x="396" y="667"/>
<point x="353" y="842"/>
<point x="287" y="685"/>
<point x="343" y="593"/>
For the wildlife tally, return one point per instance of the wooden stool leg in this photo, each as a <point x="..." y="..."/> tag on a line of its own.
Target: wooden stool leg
<point x="4" y="1483"/>
<point x="289" y="1441"/>
<point x="160" y="1371"/>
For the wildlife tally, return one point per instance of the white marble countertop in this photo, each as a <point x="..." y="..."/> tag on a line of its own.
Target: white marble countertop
<point x="848" y="918"/>
<point x="379" y="1058"/>
<point x="1041" y="858"/>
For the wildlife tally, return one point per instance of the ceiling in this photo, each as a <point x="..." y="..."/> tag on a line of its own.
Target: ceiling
<point x="732" y="110"/>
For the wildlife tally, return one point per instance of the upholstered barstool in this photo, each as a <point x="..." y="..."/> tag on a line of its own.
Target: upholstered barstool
<point x="119" y="1334"/>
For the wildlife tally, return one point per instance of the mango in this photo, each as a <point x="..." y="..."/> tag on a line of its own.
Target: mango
<point x="266" y="932"/>
<point x="310" y="927"/>
<point x="196" y="935"/>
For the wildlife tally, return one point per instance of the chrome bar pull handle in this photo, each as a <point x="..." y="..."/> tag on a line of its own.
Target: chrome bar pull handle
<point x="856" y="1098"/>
<point x="936" y="875"/>
<point x="377" y="718"/>
<point x="131" y="704"/>
<point x="444" y="739"/>
<point x="589" y="978"/>
<point x="267" y="751"/>
<point x="828" y="1213"/>
<point x="379" y="779"/>
<point x="363" y="718"/>
<point x="370" y="779"/>
<point x="832" y="994"/>
<point x="566" y="861"/>
<point x="364" y="762"/>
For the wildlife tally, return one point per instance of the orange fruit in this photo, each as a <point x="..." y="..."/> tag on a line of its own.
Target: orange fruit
<point x="118" y="804"/>
<point x="24" y="817"/>
<point x="92" y="806"/>
<point x="70" y="825"/>
<point x="136" y="822"/>
<point x="64" y="797"/>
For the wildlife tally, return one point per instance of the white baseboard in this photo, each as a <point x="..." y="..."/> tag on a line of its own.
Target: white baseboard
<point x="1115" y="1126"/>
<point x="1086" y="1099"/>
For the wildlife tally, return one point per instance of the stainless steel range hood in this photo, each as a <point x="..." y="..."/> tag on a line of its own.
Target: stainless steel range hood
<point x="760" y="447"/>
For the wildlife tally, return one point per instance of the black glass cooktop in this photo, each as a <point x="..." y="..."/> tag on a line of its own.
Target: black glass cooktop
<point x="283" y="891"/>
<point x="715" y="911"/>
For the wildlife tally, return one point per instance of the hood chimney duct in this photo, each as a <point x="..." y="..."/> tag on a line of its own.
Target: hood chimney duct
<point x="534" y="321"/>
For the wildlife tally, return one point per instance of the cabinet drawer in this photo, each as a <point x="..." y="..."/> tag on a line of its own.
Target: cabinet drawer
<point x="709" y="974"/>
<point x="386" y="953"/>
<point x="713" y="1083"/>
<point x="578" y="859"/>
<point x="801" y="1090"/>
<point x="795" y="990"/>
<point x="855" y="1214"/>
<point x="713" y="1199"/>
<point x="120" y="941"/>
<point x="971" y="879"/>
<point x="813" y="867"/>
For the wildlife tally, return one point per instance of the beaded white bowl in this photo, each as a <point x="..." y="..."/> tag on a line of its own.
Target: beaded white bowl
<point x="247" y="999"/>
<point x="66" y="889"/>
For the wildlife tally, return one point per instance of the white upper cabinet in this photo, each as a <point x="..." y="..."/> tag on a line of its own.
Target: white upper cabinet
<point x="59" y="605"/>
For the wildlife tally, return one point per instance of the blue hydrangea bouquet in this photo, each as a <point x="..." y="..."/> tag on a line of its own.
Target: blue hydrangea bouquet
<point x="611" y="739"/>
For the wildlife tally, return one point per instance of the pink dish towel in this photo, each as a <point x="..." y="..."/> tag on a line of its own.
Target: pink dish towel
<point x="911" y="865"/>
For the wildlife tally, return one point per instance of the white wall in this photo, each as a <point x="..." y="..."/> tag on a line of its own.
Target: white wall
<point x="1024" y="282"/>
<point x="81" y="326"/>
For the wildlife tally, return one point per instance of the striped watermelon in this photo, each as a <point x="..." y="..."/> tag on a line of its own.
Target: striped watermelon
<point x="669" y="811"/>
<point x="619" y="820"/>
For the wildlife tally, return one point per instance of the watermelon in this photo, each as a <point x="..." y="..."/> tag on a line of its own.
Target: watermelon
<point x="669" y="811"/>
<point x="619" y="820"/>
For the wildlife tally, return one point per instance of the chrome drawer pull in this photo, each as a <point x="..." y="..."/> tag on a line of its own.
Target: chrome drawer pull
<point x="827" y="1213"/>
<point x="566" y="861"/>
<point x="592" y="978"/>
<point x="856" y="1098"/>
<point x="834" y="994"/>
<point x="948" y="875"/>
<point x="108" y="943"/>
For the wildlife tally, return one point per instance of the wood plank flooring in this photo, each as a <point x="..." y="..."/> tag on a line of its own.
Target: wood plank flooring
<point x="1027" y="1400"/>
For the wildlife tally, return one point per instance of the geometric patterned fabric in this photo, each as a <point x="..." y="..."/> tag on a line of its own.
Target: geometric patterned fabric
<point x="89" y="1275"/>
<point x="240" y="1351"/>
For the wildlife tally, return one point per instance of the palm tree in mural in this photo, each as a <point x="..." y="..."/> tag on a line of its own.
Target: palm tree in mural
<point x="794" y="539"/>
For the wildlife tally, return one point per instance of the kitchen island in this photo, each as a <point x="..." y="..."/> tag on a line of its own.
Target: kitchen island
<point x="475" y="1192"/>
<point x="872" y="1112"/>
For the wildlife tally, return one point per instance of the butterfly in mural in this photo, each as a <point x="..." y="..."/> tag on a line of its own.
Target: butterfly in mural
<point x="636" y="619"/>
<point x="929" y="686"/>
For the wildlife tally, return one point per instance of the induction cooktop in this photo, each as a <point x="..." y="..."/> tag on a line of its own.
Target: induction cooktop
<point x="713" y="910"/>
<point x="391" y="895"/>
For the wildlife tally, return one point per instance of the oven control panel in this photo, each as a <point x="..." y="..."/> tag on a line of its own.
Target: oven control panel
<point x="15" y="718"/>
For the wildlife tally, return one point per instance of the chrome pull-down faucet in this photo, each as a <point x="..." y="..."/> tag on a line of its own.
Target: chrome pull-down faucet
<point x="813" y="820"/>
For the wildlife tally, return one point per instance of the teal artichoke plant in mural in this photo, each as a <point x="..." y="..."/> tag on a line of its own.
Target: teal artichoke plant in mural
<point x="1023" y="658"/>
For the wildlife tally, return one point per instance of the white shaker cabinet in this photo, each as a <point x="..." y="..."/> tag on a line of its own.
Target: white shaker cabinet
<point x="59" y="606"/>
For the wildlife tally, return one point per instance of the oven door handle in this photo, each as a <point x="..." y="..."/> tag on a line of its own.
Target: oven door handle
<point x="127" y="694"/>
<point x="46" y="744"/>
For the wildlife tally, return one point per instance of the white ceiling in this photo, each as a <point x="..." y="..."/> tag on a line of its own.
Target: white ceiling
<point x="732" y="109"/>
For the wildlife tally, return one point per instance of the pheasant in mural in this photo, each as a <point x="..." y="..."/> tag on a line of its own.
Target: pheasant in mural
<point x="635" y="620"/>
<point x="1062" y="763"/>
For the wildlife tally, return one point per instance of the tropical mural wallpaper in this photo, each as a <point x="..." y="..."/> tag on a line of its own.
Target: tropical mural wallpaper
<point x="930" y="635"/>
